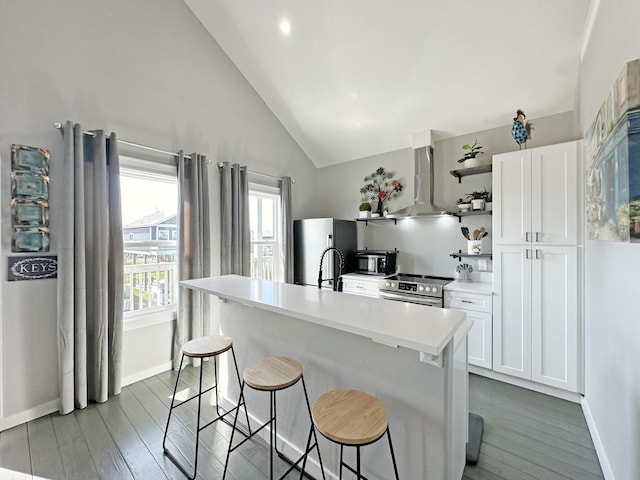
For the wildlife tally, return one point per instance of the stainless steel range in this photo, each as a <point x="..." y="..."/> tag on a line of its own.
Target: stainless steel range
<point x="420" y="289"/>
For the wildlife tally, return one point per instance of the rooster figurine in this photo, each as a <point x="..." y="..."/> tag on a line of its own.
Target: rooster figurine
<point x="521" y="130"/>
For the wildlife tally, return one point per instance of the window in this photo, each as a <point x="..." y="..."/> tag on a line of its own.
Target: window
<point x="149" y="208"/>
<point x="264" y="221"/>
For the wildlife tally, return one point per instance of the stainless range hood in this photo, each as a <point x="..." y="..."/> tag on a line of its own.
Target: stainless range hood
<point x="422" y="181"/>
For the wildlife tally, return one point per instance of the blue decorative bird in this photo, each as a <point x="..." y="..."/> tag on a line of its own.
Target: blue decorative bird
<point x="521" y="130"/>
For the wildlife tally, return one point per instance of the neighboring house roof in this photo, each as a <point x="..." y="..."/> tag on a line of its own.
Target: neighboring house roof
<point x="151" y="220"/>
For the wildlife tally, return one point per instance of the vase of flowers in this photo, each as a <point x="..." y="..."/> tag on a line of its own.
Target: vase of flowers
<point x="380" y="187"/>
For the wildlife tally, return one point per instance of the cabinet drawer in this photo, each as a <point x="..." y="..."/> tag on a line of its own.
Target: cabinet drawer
<point x="468" y="301"/>
<point x="360" y="287"/>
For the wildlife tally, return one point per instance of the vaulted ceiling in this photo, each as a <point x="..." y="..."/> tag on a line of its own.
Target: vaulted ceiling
<point x="354" y="78"/>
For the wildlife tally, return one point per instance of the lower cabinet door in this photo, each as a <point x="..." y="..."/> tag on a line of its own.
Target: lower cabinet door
<point x="554" y="325"/>
<point x="512" y="310"/>
<point x="480" y="339"/>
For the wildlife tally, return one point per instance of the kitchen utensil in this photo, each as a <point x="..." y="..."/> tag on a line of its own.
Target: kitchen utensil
<point x="484" y="234"/>
<point x="476" y="234"/>
<point x="465" y="232"/>
<point x="482" y="230"/>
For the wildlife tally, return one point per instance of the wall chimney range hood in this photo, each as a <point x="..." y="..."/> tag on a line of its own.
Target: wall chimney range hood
<point x="423" y="180"/>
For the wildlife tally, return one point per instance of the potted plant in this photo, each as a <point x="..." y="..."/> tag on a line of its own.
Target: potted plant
<point x="471" y="152"/>
<point x="478" y="199"/>
<point x="365" y="210"/>
<point x="464" y="204"/>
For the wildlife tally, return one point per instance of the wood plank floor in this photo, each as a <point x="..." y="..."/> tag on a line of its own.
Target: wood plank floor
<point x="527" y="436"/>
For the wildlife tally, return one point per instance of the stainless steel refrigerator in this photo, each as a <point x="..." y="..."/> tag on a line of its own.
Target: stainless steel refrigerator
<point x="310" y="237"/>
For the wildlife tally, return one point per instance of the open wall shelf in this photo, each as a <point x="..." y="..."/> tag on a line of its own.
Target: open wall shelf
<point x="463" y="172"/>
<point x="377" y="219"/>
<point x="461" y="255"/>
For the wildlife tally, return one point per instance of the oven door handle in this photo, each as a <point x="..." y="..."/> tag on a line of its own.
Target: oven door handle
<point x="430" y="301"/>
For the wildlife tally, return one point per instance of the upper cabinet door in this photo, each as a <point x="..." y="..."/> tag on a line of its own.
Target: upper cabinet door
<point x="512" y="198"/>
<point x="535" y="196"/>
<point x="554" y="180"/>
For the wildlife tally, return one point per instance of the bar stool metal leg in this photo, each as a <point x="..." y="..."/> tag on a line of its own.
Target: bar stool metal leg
<point x="393" y="457"/>
<point x="312" y="430"/>
<point x="166" y="431"/>
<point x="173" y="400"/>
<point x="246" y="414"/>
<point x="233" y="431"/>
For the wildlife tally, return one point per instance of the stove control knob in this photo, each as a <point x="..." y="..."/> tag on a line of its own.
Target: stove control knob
<point x="427" y="289"/>
<point x="420" y="288"/>
<point x="434" y="289"/>
<point x="393" y="284"/>
<point x="387" y="284"/>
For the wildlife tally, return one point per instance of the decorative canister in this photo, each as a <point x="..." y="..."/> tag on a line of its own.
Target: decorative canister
<point x="474" y="247"/>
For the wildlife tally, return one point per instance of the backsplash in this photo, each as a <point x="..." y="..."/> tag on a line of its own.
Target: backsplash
<point x="425" y="244"/>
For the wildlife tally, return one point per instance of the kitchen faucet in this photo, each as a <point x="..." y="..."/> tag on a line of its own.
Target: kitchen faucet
<point x="337" y="278"/>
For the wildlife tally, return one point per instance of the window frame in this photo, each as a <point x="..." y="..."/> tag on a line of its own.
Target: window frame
<point x="159" y="172"/>
<point x="268" y="191"/>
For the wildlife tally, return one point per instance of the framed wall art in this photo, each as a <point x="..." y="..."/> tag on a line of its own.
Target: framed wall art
<point x="612" y="157"/>
<point x="29" y="199"/>
<point x="28" y="212"/>
<point x="31" y="159"/>
<point x="30" y="239"/>
<point x="29" y="185"/>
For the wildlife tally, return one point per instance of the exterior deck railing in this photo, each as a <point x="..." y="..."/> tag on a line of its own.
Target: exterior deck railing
<point x="150" y="281"/>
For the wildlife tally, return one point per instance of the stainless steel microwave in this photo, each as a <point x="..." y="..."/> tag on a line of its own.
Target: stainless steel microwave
<point x="375" y="262"/>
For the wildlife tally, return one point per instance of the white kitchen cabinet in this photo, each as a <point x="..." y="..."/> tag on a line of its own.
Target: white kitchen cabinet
<point x="535" y="261"/>
<point x="535" y="313"/>
<point x="358" y="284"/>
<point x="535" y="195"/>
<point x="478" y="308"/>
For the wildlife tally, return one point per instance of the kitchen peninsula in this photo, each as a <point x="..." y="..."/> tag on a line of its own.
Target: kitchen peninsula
<point x="413" y="358"/>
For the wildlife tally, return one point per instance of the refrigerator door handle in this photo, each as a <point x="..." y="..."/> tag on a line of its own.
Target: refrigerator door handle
<point x="330" y="261"/>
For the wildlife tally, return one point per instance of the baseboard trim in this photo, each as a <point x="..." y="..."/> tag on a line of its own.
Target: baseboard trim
<point x="520" y="382"/>
<point x="289" y="449"/>
<point x="597" y="442"/>
<point x="150" y="372"/>
<point x="36" y="412"/>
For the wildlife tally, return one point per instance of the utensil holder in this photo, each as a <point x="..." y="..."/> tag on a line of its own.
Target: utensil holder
<point x="474" y="247"/>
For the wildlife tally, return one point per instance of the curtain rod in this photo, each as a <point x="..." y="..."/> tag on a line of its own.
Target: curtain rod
<point x="59" y="126"/>
<point x="260" y="174"/>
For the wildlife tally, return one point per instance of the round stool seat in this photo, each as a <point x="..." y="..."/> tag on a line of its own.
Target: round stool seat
<point x="273" y="373"/>
<point x="350" y="417"/>
<point x="207" y="346"/>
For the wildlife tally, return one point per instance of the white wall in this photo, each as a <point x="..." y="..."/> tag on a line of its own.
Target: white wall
<point x="149" y="71"/>
<point x="425" y="244"/>
<point x="612" y="383"/>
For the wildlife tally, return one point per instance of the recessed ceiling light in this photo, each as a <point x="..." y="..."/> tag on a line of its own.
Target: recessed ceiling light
<point x="285" y="27"/>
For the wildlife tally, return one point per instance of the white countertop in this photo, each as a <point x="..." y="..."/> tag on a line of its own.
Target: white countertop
<point x="482" y="288"/>
<point x="424" y="329"/>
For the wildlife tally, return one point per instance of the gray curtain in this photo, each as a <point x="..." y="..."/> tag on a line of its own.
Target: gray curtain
<point x="287" y="228"/>
<point x="194" y="258"/>
<point x="90" y="269"/>
<point x="234" y="213"/>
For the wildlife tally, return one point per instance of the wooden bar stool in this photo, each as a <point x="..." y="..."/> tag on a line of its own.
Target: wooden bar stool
<point x="352" y="418"/>
<point x="203" y="347"/>
<point x="272" y="374"/>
